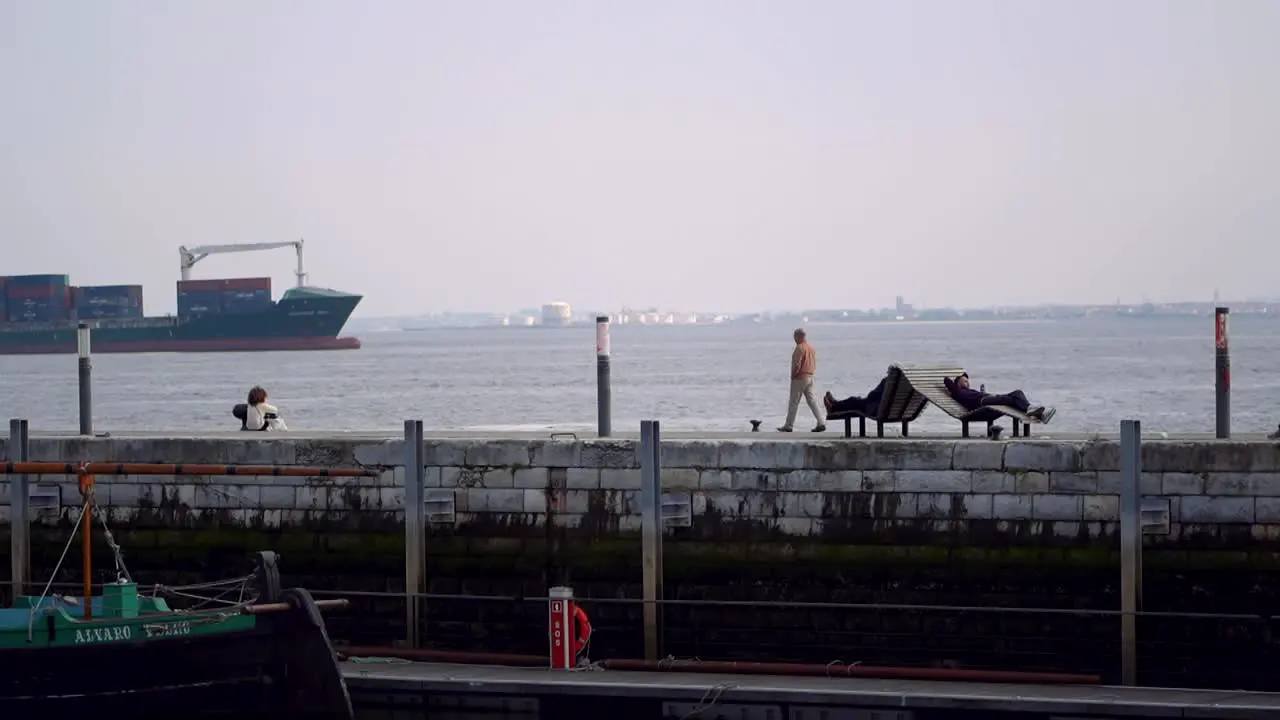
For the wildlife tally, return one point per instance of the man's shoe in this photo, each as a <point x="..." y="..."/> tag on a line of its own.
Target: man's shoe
<point x="784" y="429"/>
<point x="1275" y="435"/>
<point x="1047" y="415"/>
<point x="820" y="428"/>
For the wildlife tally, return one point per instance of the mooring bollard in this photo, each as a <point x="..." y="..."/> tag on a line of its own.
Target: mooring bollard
<point x="604" y="405"/>
<point x="1130" y="547"/>
<point x="86" y="379"/>
<point x="568" y="629"/>
<point x="19" y="516"/>
<point x="1222" y="381"/>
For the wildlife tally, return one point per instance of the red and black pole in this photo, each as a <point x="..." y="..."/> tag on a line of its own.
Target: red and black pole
<point x="1222" y="384"/>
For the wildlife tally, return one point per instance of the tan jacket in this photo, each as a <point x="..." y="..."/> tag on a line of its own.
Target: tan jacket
<point x="804" y="361"/>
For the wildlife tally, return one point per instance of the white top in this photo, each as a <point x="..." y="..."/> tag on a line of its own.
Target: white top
<point x="255" y="417"/>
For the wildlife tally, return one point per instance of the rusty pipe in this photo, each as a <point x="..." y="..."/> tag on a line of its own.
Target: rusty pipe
<point x="855" y="671"/>
<point x="445" y="656"/>
<point x="105" y="468"/>
<point x="267" y="608"/>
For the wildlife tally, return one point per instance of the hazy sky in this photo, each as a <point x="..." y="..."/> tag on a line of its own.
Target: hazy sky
<point x="696" y="154"/>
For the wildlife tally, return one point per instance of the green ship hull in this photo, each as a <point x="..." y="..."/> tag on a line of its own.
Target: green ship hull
<point x="303" y="319"/>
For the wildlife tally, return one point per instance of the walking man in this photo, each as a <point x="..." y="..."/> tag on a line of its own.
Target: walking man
<point x="804" y="363"/>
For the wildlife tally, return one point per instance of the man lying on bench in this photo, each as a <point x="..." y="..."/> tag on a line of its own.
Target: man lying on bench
<point x="971" y="399"/>
<point x="863" y="405"/>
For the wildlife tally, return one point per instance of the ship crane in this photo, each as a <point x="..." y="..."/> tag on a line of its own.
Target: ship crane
<point x="191" y="256"/>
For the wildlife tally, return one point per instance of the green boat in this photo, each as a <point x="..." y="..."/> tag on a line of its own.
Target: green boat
<point x="127" y="651"/>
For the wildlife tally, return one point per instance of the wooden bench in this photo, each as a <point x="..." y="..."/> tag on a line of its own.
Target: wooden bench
<point x="928" y="380"/>
<point x="899" y="403"/>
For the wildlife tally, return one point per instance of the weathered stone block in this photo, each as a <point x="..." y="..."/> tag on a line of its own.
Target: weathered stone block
<point x="1100" y="456"/>
<point x="576" y="502"/>
<point x="499" y="453"/>
<point x="431" y="478"/>
<point x="616" y="479"/>
<point x="498" y="478"/>
<point x="117" y="495"/>
<point x="610" y="454"/>
<point x="1267" y="510"/>
<point x="582" y="478"/>
<point x="762" y="455"/>
<point x="764" y="504"/>
<point x="672" y="478"/>
<point x="1011" y="507"/>
<point x="715" y="479"/>
<point x="1201" y="509"/>
<point x="803" y="504"/>
<point x="698" y="454"/>
<point x="1043" y="456"/>
<point x="310" y="498"/>
<point x="754" y="480"/>
<point x="1101" y="508"/>
<point x="880" y="481"/>
<point x="800" y="481"/>
<point x="830" y="456"/>
<point x="1196" y="457"/>
<point x="388" y="498"/>
<point x="533" y="478"/>
<point x="796" y="526"/>
<point x="461" y="477"/>
<point x="507" y="500"/>
<point x="1031" y="482"/>
<point x="977" y="455"/>
<point x="727" y="504"/>
<point x="932" y="481"/>
<point x="904" y="455"/>
<point x="1257" y="484"/>
<point x="1056" y="507"/>
<point x="1073" y="482"/>
<point x="383" y="453"/>
<point x="444" y="452"/>
<point x="556" y="453"/>
<point x="535" y="501"/>
<point x="1173" y="483"/>
<point x="992" y="481"/>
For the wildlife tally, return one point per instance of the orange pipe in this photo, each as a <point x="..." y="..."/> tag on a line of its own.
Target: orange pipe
<point x="104" y="468"/>
<point x="882" y="672"/>
<point x="266" y="608"/>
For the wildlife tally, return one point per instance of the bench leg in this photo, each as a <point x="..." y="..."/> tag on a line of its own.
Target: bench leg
<point x="848" y="427"/>
<point x="1017" y="427"/>
<point x="862" y="427"/>
<point x="1026" y="429"/>
<point x="879" y="429"/>
<point x="964" y="429"/>
<point x="991" y="424"/>
<point x="905" y="432"/>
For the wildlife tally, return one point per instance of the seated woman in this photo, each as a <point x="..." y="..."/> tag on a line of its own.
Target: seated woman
<point x="971" y="399"/>
<point x="259" y="415"/>
<point x="864" y="405"/>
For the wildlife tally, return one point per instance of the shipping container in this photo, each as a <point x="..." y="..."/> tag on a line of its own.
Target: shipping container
<point x="36" y="312"/>
<point x="224" y="284"/>
<point x="100" y="312"/>
<point x="125" y="295"/>
<point x="199" y="303"/>
<point x="37" y="291"/>
<point x="245" y="301"/>
<point x="38" y="280"/>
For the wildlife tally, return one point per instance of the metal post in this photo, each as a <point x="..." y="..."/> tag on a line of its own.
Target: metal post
<point x="415" y="529"/>
<point x="1222" y="381"/>
<point x="651" y="535"/>
<point x="604" y="404"/>
<point x="19" y="515"/>
<point x="1130" y="546"/>
<point x="86" y="379"/>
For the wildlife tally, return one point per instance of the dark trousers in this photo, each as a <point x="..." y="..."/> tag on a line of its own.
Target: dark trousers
<point x="865" y="405"/>
<point x="1016" y="400"/>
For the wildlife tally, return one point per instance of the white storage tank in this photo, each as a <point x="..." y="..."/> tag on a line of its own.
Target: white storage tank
<point x="557" y="313"/>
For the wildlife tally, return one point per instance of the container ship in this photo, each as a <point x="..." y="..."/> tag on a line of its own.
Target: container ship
<point x="39" y="314"/>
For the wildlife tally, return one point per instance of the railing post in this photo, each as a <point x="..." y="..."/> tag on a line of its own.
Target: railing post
<point x="651" y="535"/>
<point x="19" y="509"/>
<point x="415" y="530"/>
<point x="1130" y="546"/>
<point x="604" y="388"/>
<point x="1222" y="374"/>
<point x="86" y="378"/>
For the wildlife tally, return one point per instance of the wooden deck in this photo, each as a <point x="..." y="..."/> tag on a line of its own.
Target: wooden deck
<point x="922" y="698"/>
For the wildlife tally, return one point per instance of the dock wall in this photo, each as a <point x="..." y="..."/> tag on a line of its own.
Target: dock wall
<point x="1021" y="524"/>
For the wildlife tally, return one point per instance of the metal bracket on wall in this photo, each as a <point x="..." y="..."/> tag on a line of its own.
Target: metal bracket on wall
<point x="440" y="506"/>
<point x="44" y="500"/>
<point x="1155" y="514"/>
<point x="677" y="510"/>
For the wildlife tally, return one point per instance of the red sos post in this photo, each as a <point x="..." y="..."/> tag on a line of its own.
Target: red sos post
<point x="1222" y="374"/>
<point x="569" y="630"/>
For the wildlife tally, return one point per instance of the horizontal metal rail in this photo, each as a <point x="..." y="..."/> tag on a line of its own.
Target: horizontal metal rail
<point x="803" y="605"/>
<point x="106" y="468"/>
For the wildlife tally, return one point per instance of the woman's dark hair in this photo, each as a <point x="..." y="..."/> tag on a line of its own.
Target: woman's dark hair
<point x="257" y="395"/>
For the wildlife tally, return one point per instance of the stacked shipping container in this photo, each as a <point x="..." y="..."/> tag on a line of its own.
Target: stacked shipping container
<point x="226" y="296"/>
<point x="107" y="301"/>
<point x="37" y="298"/>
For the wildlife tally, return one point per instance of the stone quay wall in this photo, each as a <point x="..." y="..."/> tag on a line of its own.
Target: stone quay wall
<point x="1020" y="524"/>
